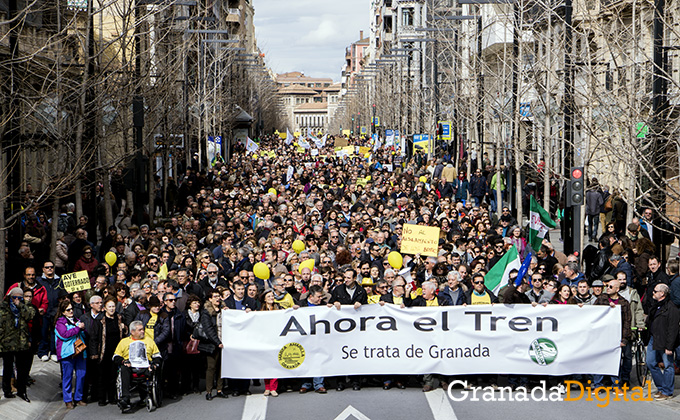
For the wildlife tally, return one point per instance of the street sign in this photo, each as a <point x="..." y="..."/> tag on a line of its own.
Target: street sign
<point x="376" y="121"/>
<point x="364" y="130"/>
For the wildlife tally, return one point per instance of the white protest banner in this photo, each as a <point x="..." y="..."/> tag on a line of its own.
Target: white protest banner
<point x="454" y="340"/>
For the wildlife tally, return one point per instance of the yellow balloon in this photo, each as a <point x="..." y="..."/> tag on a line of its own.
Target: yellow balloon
<point x="272" y="191"/>
<point x="368" y="178"/>
<point x="395" y="259"/>
<point x="306" y="264"/>
<point x="111" y="258"/>
<point x="261" y="271"/>
<point x="367" y="155"/>
<point x="298" y="246"/>
<point x="423" y="179"/>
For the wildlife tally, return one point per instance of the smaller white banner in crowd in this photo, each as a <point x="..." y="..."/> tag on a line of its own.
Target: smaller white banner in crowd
<point x="380" y="340"/>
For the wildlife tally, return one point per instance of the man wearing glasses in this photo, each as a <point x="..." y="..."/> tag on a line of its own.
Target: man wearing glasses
<point x="479" y="294"/>
<point x="171" y="365"/>
<point x="538" y="295"/>
<point x="662" y="322"/>
<point x="52" y="284"/>
<point x="93" y="333"/>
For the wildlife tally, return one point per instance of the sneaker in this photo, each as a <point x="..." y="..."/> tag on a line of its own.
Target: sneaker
<point x="45" y="358"/>
<point x="266" y="392"/>
<point x="274" y="394"/>
<point x="657" y="394"/>
<point x="54" y="358"/>
<point x="663" y="397"/>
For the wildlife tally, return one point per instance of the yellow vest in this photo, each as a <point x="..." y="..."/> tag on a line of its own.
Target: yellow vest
<point x="485" y="299"/>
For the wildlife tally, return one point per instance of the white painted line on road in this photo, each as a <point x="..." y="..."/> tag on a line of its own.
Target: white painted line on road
<point x="255" y="407"/>
<point x="440" y="406"/>
<point x="351" y="411"/>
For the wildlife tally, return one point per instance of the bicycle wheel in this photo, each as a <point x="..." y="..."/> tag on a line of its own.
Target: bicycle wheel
<point x="641" y="364"/>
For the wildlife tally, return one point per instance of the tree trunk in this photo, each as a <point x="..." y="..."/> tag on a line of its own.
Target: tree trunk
<point x="54" y="227"/>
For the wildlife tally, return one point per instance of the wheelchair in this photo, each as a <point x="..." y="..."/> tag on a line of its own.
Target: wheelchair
<point x="146" y="383"/>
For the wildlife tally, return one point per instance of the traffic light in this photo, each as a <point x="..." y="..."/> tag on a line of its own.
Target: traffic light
<point x="575" y="196"/>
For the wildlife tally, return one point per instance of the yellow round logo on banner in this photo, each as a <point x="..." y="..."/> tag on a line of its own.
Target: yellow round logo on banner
<point x="291" y="355"/>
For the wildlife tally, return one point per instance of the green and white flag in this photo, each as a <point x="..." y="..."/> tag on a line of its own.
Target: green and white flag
<point x="539" y="224"/>
<point x="499" y="274"/>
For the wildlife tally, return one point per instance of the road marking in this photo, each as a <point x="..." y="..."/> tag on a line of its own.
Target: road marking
<point x="440" y="406"/>
<point x="351" y="411"/>
<point x="255" y="408"/>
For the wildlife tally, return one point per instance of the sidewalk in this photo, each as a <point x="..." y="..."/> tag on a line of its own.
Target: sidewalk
<point x="45" y="395"/>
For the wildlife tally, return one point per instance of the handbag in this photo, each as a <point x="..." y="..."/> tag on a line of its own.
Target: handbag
<point x="198" y="333"/>
<point x="191" y="347"/>
<point x="78" y="346"/>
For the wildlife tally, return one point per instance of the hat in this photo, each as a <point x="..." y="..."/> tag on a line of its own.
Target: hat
<point x="344" y="225"/>
<point x="607" y="277"/>
<point x="366" y="282"/>
<point x="154" y="301"/>
<point x="598" y="283"/>
<point x="134" y="227"/>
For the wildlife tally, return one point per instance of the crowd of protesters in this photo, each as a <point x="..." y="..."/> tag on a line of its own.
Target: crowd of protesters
<point x="177" y="275"/>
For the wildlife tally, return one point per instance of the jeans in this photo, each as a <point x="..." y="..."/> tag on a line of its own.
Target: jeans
<point x="68" y="365"/>
<point x="46" y="331"/>
<point x="626" y="363"/>
<point x="478" y="199"/>
<point x="316" y="383"/>
<point x="593" y="224"/>
<point x="664" y="379"/>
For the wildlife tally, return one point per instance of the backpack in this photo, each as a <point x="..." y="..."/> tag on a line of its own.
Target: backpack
<point x="62" y="223"/>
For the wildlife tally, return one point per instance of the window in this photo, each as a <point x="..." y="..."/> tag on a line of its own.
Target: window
<point x="388" y="24"/>
<point x="407" y="16"/>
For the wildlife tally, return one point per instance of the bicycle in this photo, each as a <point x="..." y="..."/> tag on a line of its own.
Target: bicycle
<point x="639" y="351"/>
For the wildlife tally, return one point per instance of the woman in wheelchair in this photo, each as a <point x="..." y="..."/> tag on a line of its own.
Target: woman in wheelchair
<point x="138" y="358"/>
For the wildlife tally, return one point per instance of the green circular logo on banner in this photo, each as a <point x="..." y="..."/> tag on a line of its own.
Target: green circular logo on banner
<point x="543" y="351"/>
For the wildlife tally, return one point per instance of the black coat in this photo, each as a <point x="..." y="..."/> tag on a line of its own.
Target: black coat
<point x="177" y="325"/>
<point x="652" y="280"/>
<point x="206" y="287"/>
<point x="247" y="302"/>
<point x="210" y="340"/>
<point x="93" y="333"/>
<point x="663" y="322"/>
<point x="339" y="294"/>
<point x="161" y="331"/>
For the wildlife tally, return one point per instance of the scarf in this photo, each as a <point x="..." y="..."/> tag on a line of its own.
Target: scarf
<point x="15" y="311"/>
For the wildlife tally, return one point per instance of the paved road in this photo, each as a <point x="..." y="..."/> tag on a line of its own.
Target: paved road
<point x="374" y="403"/>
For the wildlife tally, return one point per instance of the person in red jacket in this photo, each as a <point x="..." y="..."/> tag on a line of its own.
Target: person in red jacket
<point x="40" y="300"/>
